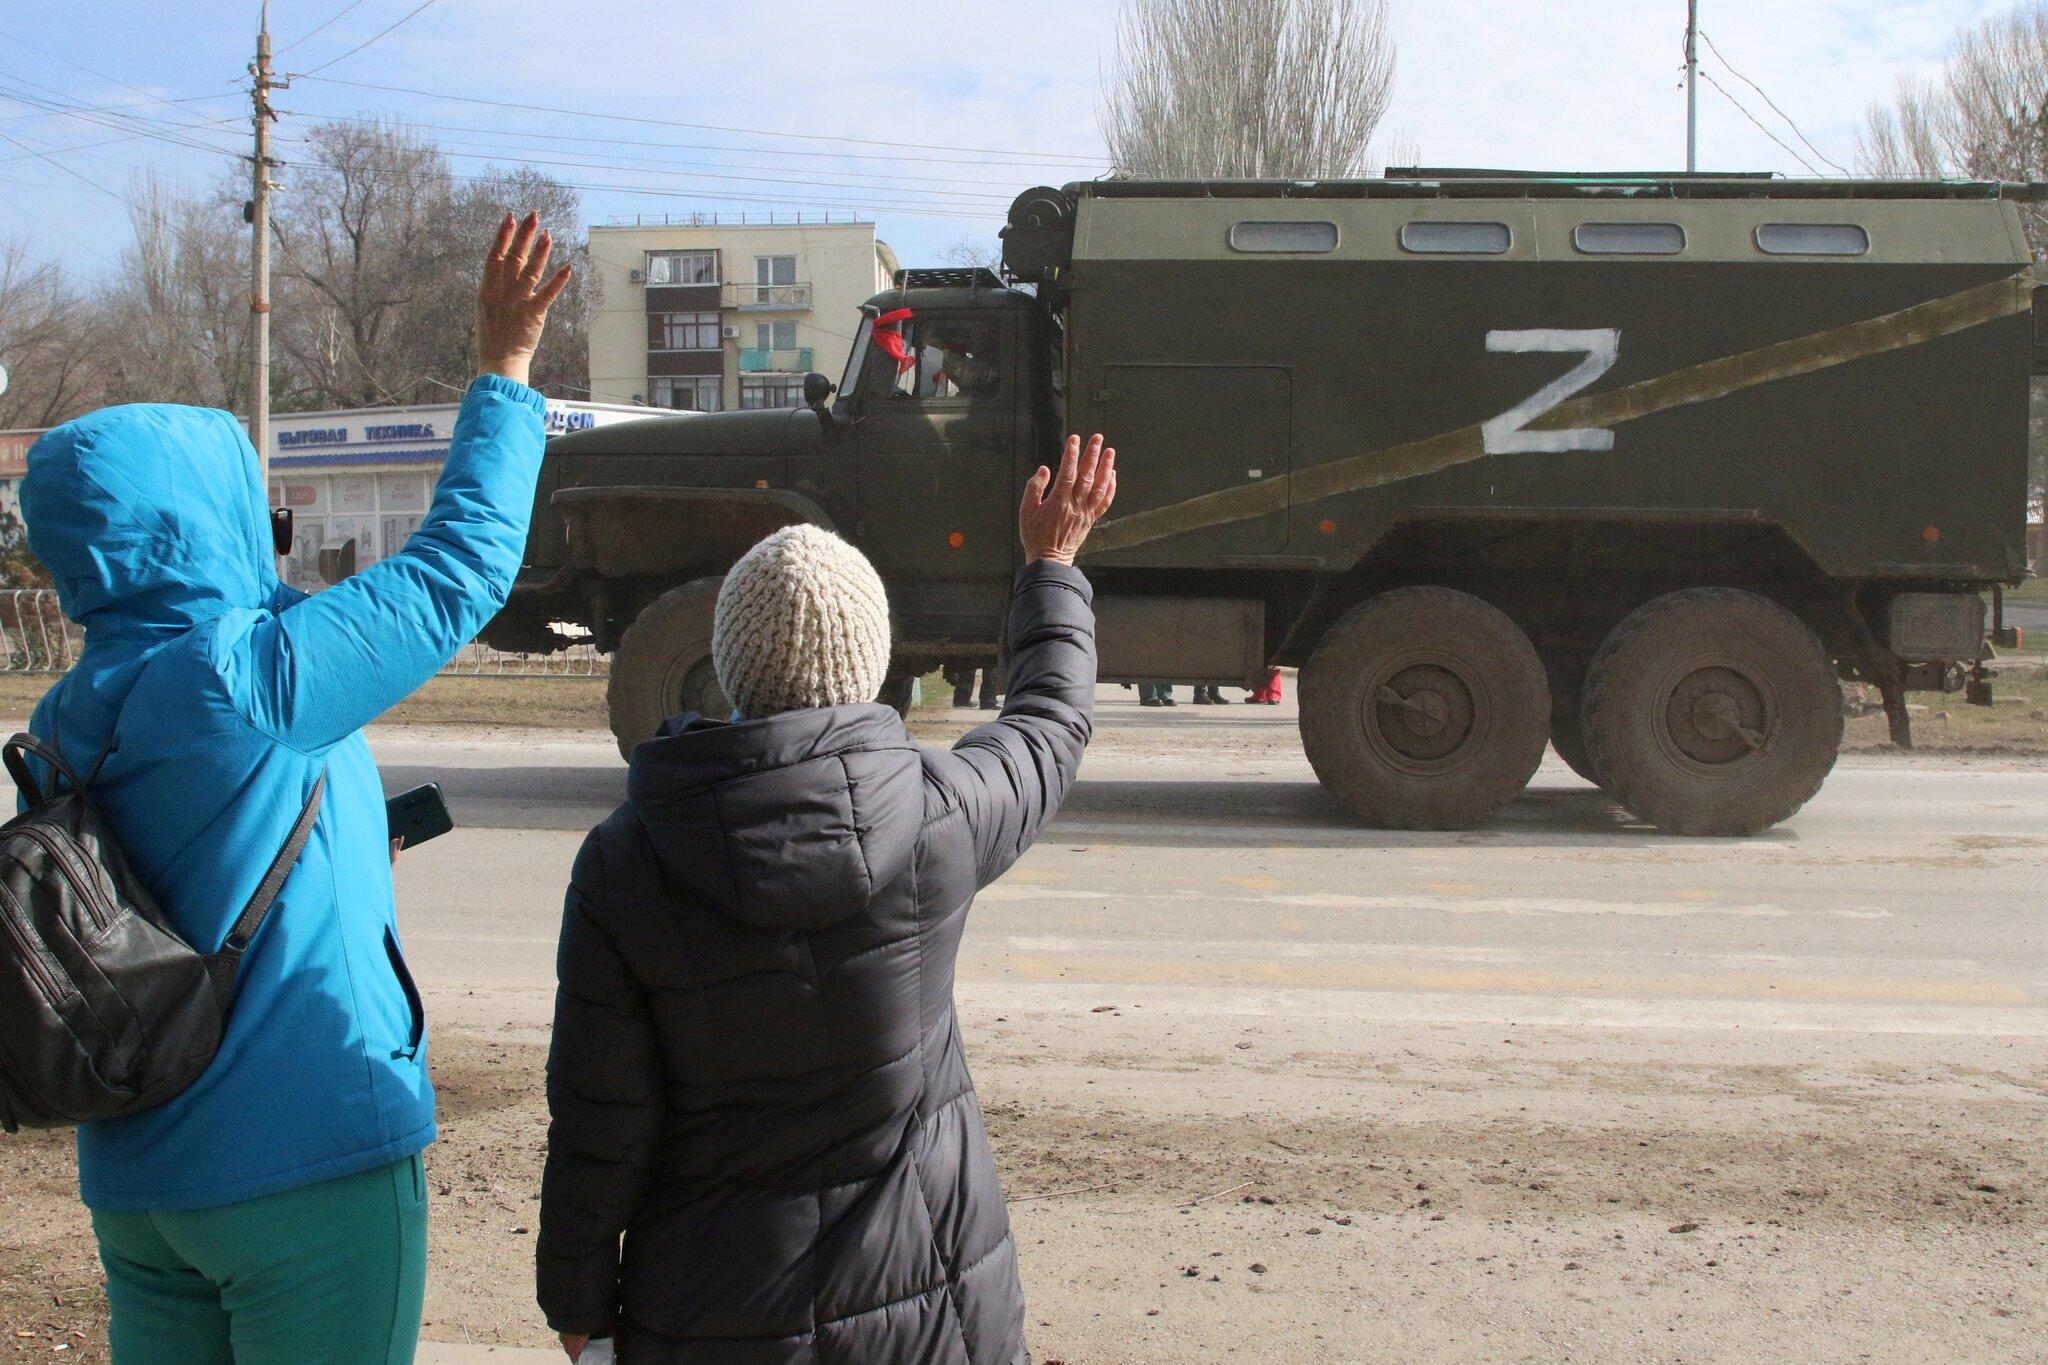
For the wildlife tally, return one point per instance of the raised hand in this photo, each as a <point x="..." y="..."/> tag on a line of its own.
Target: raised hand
<point x="512" y="301"/>
<point x="1059" y="511"/>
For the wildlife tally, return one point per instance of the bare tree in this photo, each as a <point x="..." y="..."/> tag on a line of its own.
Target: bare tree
<point x="1288" y="89"/>
<point x="1985" y="117"/>
<point x="181" y="302"/>
<point x="968" y="252"/>
<point x="440" y="333"/>
<point x="362" y="224"/>
<point x="53" y="341"/>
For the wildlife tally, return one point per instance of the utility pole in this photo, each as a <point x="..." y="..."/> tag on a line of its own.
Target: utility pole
<point x="259" y="251"/>
<point x="1692" y="85"/>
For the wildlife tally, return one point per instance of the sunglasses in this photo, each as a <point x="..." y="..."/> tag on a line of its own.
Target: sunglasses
<point x="281" y="529"/>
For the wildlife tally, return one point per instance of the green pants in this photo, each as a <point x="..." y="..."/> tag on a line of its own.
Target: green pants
<point x="329" y="1274"/>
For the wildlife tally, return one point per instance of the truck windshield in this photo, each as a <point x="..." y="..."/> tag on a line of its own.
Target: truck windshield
<point x="857" y="356"/>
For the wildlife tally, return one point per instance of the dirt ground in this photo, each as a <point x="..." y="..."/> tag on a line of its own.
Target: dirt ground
<point x="1150" y="1207"/>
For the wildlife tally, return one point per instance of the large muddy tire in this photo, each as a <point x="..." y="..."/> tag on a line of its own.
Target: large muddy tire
<point x="1567" y="677"/>
<point x="1424" y="708"/>
<point x="1713" y="711"/>
<point x="662" y="666"/>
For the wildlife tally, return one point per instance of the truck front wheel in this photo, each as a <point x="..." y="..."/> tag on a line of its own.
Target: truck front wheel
<point x="1424" y="708"/>
<point x="1713" y="711"/>
<point x="662" y="666"/>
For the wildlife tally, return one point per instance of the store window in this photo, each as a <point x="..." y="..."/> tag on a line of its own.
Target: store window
<point x="682" y="267"/>
<point x="684" y="392"/>
<point x="684" y="331"/>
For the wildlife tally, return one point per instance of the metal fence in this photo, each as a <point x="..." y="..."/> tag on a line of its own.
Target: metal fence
<point x="35" y="637"/>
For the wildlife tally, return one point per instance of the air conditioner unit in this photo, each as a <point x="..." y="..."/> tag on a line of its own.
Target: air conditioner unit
<point x="729" y="333"/>
<point x="636" y="276"/>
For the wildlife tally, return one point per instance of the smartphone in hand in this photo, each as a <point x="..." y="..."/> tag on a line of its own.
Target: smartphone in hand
<point x="417" y="816"/>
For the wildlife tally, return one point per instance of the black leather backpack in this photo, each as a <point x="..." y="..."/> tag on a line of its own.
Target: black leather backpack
<point x="104" y="1010"/>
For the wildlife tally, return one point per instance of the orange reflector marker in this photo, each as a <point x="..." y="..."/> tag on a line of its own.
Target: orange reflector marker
<point x="1931" y="534"/>
<point x="1327" y="527"/>
<point x="956" y="540"/>
<point x="760" y="483"/>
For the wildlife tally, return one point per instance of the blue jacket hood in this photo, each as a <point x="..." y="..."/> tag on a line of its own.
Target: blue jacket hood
<point x="151" y="517"/>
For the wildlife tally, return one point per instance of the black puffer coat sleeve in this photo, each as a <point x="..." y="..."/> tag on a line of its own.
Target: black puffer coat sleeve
<point x="605" y="1098"/>
<point x="1011" y="774"/>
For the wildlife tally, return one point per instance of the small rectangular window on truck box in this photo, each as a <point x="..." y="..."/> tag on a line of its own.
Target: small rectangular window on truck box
<point x="1283" y="237"/>
<point x="1464" y="239"/>
<point x="1629" y="239"/>
<point x="1812" y="239"/>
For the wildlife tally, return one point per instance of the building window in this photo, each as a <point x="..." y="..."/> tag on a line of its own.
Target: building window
<point x="777" y="392"/>
<point x="682" y="267"/>
<point x="1812" y="239"/>
<point x="685" y="392"/>
<point x="1464" y="239"/>
<point x="685" y="332"/>
<point x="775" y="336"/>
<point x="1629" y="239"/>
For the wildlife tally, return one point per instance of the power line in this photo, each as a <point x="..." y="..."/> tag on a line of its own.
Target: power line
<point x="713" y="175"/>
<point x="521" y="134"/>
<point x="1043" y="157"/>
<point x="1743" y="109"/>
<point x="1715" y="48"/>
<point x="410" y="15"/>
<point x="76" y="175"/>
<point x="108" y="142"/>
<point x="137" y="104"/>
<point x="321" y="27"/>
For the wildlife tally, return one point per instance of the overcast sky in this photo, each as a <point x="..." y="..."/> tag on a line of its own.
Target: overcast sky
<point x="1581" y="84"/>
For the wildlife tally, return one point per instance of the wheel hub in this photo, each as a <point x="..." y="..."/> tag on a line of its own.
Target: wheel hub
<point x="1423" y="713"/>
<point x="1717" y="715"/>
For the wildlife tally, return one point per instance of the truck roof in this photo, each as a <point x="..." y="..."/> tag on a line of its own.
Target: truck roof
<point x="1473" y="183"/>
<point x="950" y="287"/>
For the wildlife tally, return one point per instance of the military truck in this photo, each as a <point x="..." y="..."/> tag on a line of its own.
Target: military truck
<point x="1638" y="465"/>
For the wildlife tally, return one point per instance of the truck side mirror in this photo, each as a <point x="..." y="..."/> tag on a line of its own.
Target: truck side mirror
<point x="338" y="561"/>
<point x="817" y="390"/>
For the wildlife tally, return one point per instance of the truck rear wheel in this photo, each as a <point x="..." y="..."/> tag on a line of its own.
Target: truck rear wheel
<point x="1424" y="708"/>
<point x="1713" y="711"/>
<point x="662" y="666"/>
<point x="1567" y="676"/>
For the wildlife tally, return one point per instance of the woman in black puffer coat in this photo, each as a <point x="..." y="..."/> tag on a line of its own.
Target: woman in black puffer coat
<point x="756" y="1076"/>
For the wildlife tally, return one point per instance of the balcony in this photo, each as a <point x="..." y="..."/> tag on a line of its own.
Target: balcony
<point x="754" y="360"/>
<point x="766" y="298"/>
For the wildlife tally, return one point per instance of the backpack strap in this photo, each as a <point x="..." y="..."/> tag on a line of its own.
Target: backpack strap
<point x="15" y="753"/>
<point x="222" y="964"/>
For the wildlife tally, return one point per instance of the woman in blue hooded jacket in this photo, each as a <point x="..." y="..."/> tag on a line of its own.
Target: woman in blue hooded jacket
<point x="275" y="1211"/>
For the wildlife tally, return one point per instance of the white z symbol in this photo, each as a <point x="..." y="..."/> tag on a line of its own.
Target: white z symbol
<point x="1507" y="434"/>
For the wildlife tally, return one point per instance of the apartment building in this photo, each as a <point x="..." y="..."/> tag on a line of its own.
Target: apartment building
<point x="713" y="312"/>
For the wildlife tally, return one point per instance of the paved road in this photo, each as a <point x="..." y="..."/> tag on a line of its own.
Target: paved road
<point x="1561" y="1087"/>
<point x="1889" y="903"/>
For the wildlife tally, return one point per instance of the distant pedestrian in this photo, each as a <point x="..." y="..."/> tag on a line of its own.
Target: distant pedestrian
<point x="1156" y="694"/>
<point x="1208" y="694"/>
<point x="1268" y="695"/>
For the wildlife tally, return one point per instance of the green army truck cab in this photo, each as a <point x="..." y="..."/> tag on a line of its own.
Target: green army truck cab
<point x="1638" y="466"/>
